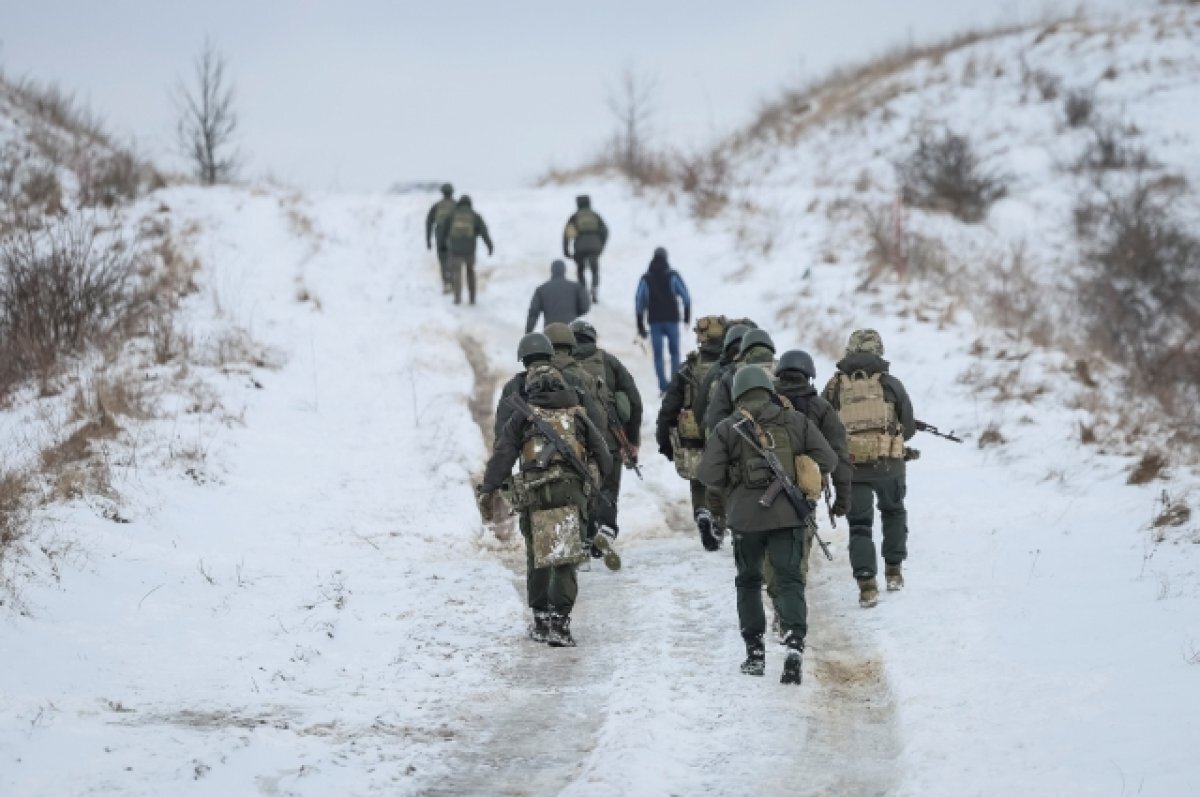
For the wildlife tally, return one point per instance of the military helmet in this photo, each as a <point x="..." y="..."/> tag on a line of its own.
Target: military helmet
<point x="710" y="328"/>
<point x="865" y="341"/>
<point x="797" y="360"/>
<point x="544" y="378"/>
<point x="746" y="322"/>
<point x="733" y="335"/>
<point x="533" y="344"/>
<point x="756" y="337"/>
<point x="583" y="330"/>
<point x="560" y="335"/>
<point x="750" y="378"/>
<point x="464" y="200"/>
<point x="447" y="189"/>
<point x="583" y="201"/>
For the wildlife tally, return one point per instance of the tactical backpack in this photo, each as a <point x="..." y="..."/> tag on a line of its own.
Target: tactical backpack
<point x="687" y="438"/>
<point x="587" y="231"/>
<point x="462" y="231"/>
<point x="595" y="366"/>
<point x="869" y="418"/>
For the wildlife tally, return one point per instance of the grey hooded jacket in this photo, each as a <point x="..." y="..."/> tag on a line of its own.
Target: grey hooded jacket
<point x="558" y="299"/>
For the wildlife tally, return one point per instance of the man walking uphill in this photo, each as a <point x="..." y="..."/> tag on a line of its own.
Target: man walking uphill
<point x="437" y="216"/>
<point x="557" y="299"/>
<point x="589" y="233"/>
<point x="878" y="416"/>
<point x="658" y="296"/>
<point x="458" y="235"/>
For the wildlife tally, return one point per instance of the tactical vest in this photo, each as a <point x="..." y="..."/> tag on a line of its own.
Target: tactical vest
<point x="869" y="418"/>
<point x="690" y="433"/>
<point x="462" y="225"/>
<point x="587" y="222"/>
<point x="752" y="470"/>
<point x="594" y="365"/>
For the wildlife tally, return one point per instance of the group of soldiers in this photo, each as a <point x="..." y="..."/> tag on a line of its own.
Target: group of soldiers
<point x="750" y="432"/>
<point x="456" y="227"/>
<point x="571" y="420"/>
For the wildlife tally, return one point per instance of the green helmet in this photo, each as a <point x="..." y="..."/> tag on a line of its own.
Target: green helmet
<point x="560" y="335"/>
<point x="583" y="330"/>
<point x="533" y="344"/>
<point x="447" y="189"/>
<point x="865" y="341"/>
<point x="751" y="378"/>
<point x="756" y="337"/>
<point x="734" y="334"/>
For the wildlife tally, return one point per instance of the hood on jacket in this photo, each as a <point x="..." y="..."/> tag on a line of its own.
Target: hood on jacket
<point x="862" y="361"/>
<point x="558" y="269"/>
<point x="658" y="263"/>
<point x="464" y="201"/>
<point x="583" y="201"/>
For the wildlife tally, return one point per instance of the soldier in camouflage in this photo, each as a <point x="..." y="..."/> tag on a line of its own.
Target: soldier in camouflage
<point x="878" y="416"/>
<point x="437" y="216"/>
<point x="587" y="231"/>
<point x="457" y="235"/>
<point x="557" y="495"/>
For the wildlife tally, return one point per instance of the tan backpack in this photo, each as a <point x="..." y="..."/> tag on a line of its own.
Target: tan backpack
<point x="869" y="418"/>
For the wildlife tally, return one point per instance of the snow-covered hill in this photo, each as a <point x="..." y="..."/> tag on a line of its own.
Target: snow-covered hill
<point x="303" y="600"/>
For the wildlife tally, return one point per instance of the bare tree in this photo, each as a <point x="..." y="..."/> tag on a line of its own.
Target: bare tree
<point x="207" y="120"/>
<point x="632" y="104"/>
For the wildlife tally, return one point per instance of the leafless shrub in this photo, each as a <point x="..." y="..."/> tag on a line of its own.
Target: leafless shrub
<point x="1176" y="513"/>
<point x="61" y="290"/>
<point x="904" y="251"/>
<point x="991" y="436"/>
<point x="1078" y="105"/>
<point x="705" y="178"/>
<point x="1150" y="467"/>
<point x="943" y="173"/>
<point x="1110" y="148"/>
<point x="630" y="148"/>
<point x="54" y="105"/>
<point x="207" y="120"/>
<point x="1047" y="85"/>
<point x="14" y="508"/>
<point x="1141" y="290"/>
<point x="111" y="180"/>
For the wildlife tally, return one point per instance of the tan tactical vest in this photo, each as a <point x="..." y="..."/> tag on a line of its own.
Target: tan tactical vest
<point x="869" y="418"/>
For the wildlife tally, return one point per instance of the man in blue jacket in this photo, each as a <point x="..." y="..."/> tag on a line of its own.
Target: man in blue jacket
<point x="659" y="294"/>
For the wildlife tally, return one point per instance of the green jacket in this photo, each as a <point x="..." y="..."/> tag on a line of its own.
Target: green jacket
<point x="710" y="383"/>
<point x="803" y="396"/>
<point x="893" y="391"/>
<point x="463" y="246"/>
<point x="617" y="379"/>
<point x="726" y="453"/>
<point x="507" y="449"/>
<point x="720" y="400"/>
<point x="440" y="211"/>
<point x="675" y="400"/>
<point x="586" y="243"/>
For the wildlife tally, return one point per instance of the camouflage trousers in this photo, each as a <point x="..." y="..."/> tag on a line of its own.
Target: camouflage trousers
<point x="893" y="518"/>
<point x="784" y="548"/>
<point x="548" y="589"/>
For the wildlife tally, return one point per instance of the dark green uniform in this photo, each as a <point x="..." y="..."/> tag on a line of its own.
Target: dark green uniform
<point x="883" y="480"/>
<point x="778" y="532"/>
<point x="615" y="379"/>
<point x="587" y="230"/>
<point x="457" y="234"/>
<point x="434" y="220"/>
<point x="550" y="590"/>
<point x="720" y="400"/>
<point x="682" y="393"/>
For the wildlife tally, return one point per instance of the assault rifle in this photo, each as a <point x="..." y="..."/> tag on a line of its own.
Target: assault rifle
<point x="782" y="484"/>
<point x="627" y="451"/>
<point x="559" y="444"/>
<point x="933" y="430"/>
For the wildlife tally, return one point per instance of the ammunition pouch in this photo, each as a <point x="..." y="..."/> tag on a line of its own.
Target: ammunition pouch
<point x="622" y="405"/>
<point x="687" y="455"/>
<point x="868" y="447"/>
<point x="557" y="536"/>
<point x="808" y="477"/>
<point x="546" y="488"/>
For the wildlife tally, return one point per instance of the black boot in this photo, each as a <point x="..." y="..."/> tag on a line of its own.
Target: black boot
<point x="559" y="635"/>
<point x="539" y="630"/>
<point x="795" y="653"/>
<point x="756" y="655"/>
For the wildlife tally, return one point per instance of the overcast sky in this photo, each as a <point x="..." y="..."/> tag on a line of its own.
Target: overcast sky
<point x="360" y="94"/>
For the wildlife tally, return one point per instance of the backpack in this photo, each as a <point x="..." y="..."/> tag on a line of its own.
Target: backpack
<point x="462" y="225"/>
<point x="869" y="418"/>
<point x="587" y="222"/>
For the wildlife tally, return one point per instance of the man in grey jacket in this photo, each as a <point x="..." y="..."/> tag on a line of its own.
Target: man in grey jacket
<point x="557" y="300"/>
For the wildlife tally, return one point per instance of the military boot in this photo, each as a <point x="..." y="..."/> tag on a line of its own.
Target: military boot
<point x="756" y="655"/>
<point x="868" y="593"/>
<point x="539" y="629"/>
<point x="559" y="634"/>
<point x="710" y="535"/>
<point x="795" y="654"/>
<point x="894" y="576"/>
<point x="603" y="542"/>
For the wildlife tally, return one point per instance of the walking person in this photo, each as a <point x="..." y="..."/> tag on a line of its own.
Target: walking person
<point x="588" y="232"/>
<point x="557" y="300"/>
<point x="434" y="220"/>
<point x="659" y="294"/>
<point x="458" y="236"/>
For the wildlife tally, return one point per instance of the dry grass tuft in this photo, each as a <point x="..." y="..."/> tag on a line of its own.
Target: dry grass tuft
<point x="1151" y="466"/>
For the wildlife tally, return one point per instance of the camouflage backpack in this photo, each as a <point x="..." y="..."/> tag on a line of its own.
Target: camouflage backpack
<point x="869" y="418"/>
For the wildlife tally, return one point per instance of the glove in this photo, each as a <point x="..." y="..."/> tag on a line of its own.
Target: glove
<point x="428" y="245"/>
<point x="667" y="450"/>
<point x="911" y="454"/>
<point x="491" y="251"/>
<point x="687" y="315"/>
<point x="642" y="329"/>
<point x="841" y="503"/>
<point x="486" y="501"/>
